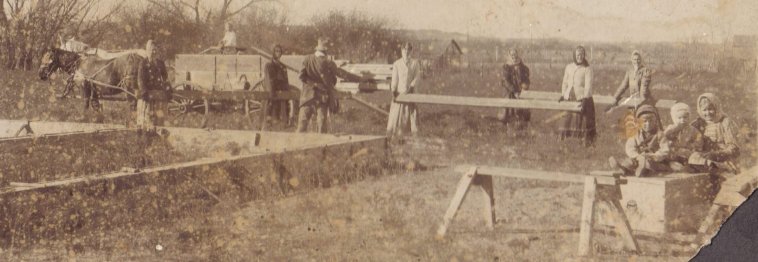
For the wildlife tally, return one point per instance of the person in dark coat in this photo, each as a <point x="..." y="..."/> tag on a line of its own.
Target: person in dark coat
<point x="515" y="78"/>
<point x="318" y="96"/>
<point x="151" y="75"/>
<point x="275" y="80"/>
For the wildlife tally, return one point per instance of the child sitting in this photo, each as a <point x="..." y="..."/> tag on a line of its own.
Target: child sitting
<point x="644" y="151"/>
<point x="680" y="137"/>
<point x="717" y="137"/>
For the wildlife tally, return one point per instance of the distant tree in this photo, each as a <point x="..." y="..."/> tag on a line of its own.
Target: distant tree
<point x="356" y="36"/>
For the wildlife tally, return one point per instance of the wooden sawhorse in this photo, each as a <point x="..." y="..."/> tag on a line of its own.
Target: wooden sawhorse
<point x="599" y="187"/>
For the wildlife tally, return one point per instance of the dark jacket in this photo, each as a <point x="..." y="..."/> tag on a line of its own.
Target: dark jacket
<point x="514" y="75"/>
<point x="319" y="76"/>
<point x="151" y="75"/>
<point x="275" y="77"/>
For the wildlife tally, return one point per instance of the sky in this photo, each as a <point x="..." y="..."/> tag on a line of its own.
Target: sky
<point x="590" y="20"/>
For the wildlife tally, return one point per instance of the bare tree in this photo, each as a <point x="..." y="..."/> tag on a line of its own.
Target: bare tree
<point x="28" y="27"/>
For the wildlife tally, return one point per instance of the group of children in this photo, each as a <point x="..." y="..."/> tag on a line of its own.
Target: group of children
<point x="706" y="144"/>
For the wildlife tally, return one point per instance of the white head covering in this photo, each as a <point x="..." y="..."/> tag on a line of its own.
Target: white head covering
<point x="679" y="109"/>
<point x="709" y="99"/>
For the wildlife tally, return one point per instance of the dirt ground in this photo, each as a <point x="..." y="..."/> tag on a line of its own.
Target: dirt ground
<point x="394" y="218"/>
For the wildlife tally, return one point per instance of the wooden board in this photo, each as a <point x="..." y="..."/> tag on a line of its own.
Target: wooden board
<point x="488" y="102"/>
<point x="379" y="72"/>
<point x="219" y="72"/>
<point x="536" y="174"/>
<point x="599" y="99"/>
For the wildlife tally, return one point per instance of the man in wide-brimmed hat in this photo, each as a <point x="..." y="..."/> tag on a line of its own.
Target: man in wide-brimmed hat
<point x="319" y="76"/>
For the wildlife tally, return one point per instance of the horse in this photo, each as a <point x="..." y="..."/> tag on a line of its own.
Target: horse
<point x="95" y="75"/>
<point x="56" y="59"/>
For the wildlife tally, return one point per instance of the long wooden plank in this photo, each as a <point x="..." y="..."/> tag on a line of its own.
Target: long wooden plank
<point x="488" y="102"/>
<point x="537" y="174"/>
<point x="370" y="106"/>
<point x="204" y="163"/>
<point x="599" y="99"/>
<point x="246" y="95"/>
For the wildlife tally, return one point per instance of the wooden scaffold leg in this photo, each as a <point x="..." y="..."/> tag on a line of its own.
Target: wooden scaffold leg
<point x="471" y="177"/>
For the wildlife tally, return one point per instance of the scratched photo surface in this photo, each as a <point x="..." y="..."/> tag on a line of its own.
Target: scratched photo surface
<point x="413" y="130"/>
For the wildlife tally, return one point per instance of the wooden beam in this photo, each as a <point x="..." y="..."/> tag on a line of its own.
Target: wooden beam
<point x="460" y="194"/>
<point x="370" y="106"/>
<point x="537" y="174"/>
<point x="488" y="202"/>
<point x="588" y="216"/>
<point x="202" y="163"/>
<point x="488" y="102"/>
<point x="599" y="99"/>
<point x="622" y="226"/>
<point x="237" y="95"/>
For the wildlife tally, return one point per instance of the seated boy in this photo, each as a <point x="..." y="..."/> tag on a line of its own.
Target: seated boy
<point x="645" y="152"/>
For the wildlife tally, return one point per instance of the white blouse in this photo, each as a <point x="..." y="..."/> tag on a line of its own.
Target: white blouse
<point x="578" y="79"/>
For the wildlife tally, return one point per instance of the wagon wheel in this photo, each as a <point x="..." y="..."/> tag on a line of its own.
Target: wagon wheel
<point x="252" y="106"/>
<point x="181" y="105"/>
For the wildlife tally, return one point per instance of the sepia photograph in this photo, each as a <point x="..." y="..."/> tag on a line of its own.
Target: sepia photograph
<point x="378" y="130"/>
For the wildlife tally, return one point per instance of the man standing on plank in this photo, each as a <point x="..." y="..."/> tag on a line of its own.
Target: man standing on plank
<point x="406" y="74"/>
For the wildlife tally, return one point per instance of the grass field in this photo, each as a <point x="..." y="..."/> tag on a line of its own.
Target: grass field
<point x="393" y="218"/>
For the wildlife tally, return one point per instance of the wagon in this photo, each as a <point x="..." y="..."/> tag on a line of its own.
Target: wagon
<point x="205" y="80"/>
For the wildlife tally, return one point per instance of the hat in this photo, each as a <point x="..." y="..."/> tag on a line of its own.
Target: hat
<point x="679" y="109"/>
<point x="323" y="44"/>
<point x="645" y="109"/>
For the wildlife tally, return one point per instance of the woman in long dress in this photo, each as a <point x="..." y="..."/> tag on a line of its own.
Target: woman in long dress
<point x="577" y="86"/>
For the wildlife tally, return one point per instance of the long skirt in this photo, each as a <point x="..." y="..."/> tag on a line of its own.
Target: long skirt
<point x="402" y="118"/>
<point x="512" y="115"/>
<point x="581" y="124"/>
